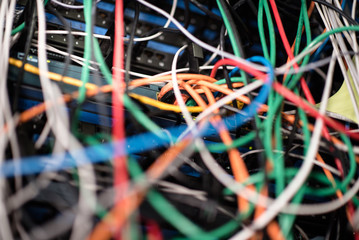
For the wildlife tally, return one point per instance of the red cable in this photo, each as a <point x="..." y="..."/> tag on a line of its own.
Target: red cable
<point x="287" y="47"/>
<point x="258" y="74"/>
<point x="304" y="85"/>
<point x="289" y="95"/>
<point x="118" y="125"/>
<point x="153" y="231"/>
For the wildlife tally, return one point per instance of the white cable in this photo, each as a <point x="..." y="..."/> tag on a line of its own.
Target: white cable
<point x="187" y="116"/>
<point x="186" y="69"/>
<point x="213" y="56"/>
<point x="73" y="57"/>
<point x="76" y="33"/>
<point x="354" y="36"/>
<point x="6" y="18"/>
<point x="57" y="117"/>
<point x="69" y="5"/>
<point x="316" y="162"/>
<point x="324" y="16"/>
<point x="172" y="13"/>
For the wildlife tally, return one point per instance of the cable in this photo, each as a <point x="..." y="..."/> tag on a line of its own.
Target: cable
<point x="57" y="2"/>
<point x="130" y="45"/>
<point x="156" y="35"/>
<point x="26" y="53"/>
<point x="342" y="13"/>
<point x="109" y="145"/>
<point x="70" y="40"/>
<point x="117" y="98"/>
<point x="76" y="33"/>
<point x="206" y="10"/>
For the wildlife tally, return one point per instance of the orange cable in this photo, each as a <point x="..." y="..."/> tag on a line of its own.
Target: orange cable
<point x="238" y="166"/>
<point x="115" y="219"/>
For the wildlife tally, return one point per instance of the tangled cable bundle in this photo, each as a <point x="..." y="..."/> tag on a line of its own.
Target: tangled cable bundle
<point x="256" y="139"/>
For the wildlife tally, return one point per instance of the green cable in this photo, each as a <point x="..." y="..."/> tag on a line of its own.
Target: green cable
<point x="22" y="25"/>
<point x="85" y="73"/>
<point x="229" y="29"/>
<point x="221" y="147"/>
<point x="298" y="38"/>
<point x="287" y="220"/>
<point x="317" y="40"/>
<point x="103" y="65"/>
<point x="351" y="174"/>
<point x="135" y="230"/>
<point x="303" y="17"/>
<point x="261" y="30"/>
<point x="279" y="160"/>
<point x="233" y="80"/>
<point x="18" y="28"/>
<point x="306" y="59"/>
<point x="175" y="218"/>
<point x="293" y="82"/>
<point x="272" y="57"/>
<point x="237" y="53"/>
<point x="353" y="166"/>
<point x="166" y="209"/>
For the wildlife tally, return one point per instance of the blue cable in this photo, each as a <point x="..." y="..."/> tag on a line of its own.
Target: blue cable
<point x="105" y="152"/>
<point x="234" y="71"/>
<point x="251" y="109"/>
<point x="319" y="50"/>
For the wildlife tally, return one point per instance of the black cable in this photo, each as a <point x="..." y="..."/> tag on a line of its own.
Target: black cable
<point x="283" y="11"/>
<point x="235" y="22"/>
<point x="239" y="3"/>
<point x="30" y="34"/>
<point x="338" y="230"/>
<point x="291" y="136"/>
<point x="333" y="218"/>
<point x="187" y="21"/>
<point x="225" y="70"/>
<point x="69" y="38"/>
<point x="161" y="29"/>
<point x="206" y="10"/>
<point x="339" y="11"/>
<point x="130" y="45"/>
<point x="187" y="14"/>
<point x="250" y="3"/>
<point x="336" y="153"/>
<point x="289" y="5"/>
<point x="237" y="38"/>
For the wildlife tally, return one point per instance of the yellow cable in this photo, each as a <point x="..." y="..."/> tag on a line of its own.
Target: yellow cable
<point x="90" y="86"/>
<point x="54" y="76"/>
<point x="162" y="105"/>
